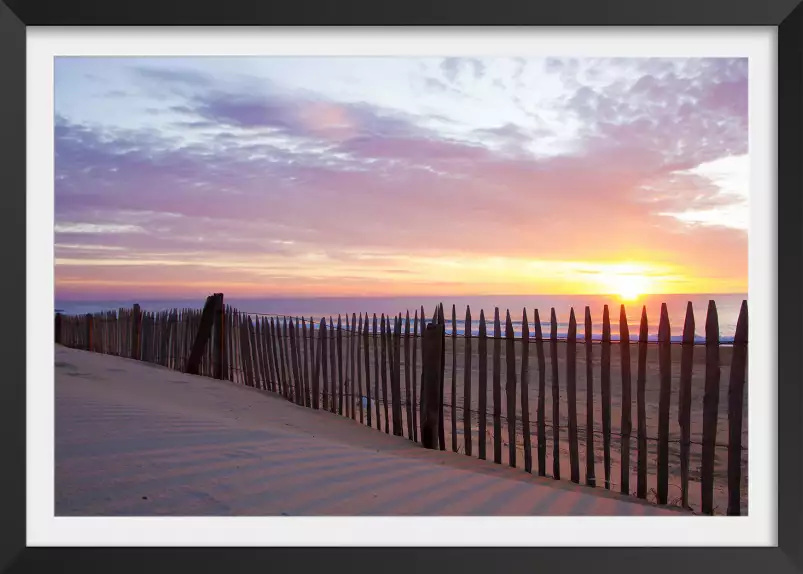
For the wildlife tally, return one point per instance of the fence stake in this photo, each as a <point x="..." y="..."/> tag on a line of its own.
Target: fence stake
<point x="316" y="366"/>
<point x="497" y="388"/>
<point x="735" y="406"/>
<point x="358" y="334"/>
<point x="353" y="365"/>
<point x="432" y="343"/>
<point x="626" y="423"/>
<point x="333" y="367"/>
<point x="366" y="338"/>
<point x="710" y="407"/>
<point x="665" y="368"/>
<point x="296" y="366"/>
<point x="641" y="488"/>
<point x="307" y="359"/>
<point x="253" y="354"/>
<point x="441" y="422"/>
<point x="454" y="379"/>
<point x="571" y="394"/>
<point x="684" y="402"/>
<point x="58" y="328"/>
<point x="482" y="397"/>
<point x="553" y="351"/>
<point x="606" y="394"/>
<point x="407" y="395"/>
<point x="510" y="389"/>
<point x="347" y="375"/>
<point x="89" y="333"/>
<point x="377" y="343"/>
<point x="591" y="479"/>
<point x="397" y="409"/>
<point x="539" y="347"/>
<point x="323" y="338"/>
<point x="136" y="322"/>
<point x="525" y="390"/>
<point x="467" y="383"/>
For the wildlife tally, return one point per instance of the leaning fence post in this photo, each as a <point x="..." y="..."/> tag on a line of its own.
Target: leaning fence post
<point x="203" y="335"/>
<point x="432" y="343"/>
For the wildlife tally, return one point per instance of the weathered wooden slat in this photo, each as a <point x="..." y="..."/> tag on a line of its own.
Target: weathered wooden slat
<point x="229" y="342"/>
<point x="641" y="381"/>
<point x="247" y="379"/>
<point x="333" y="365"/>
<point x="254" y="355"/>
<point x="440" y="318"/>
<point x="407" y="396"/>
<point x="384" y="350"/>
<point x="684" y="402"/>
<point x="414" y="377"/>
<point x="323" y="337"/>
<point x="284" y="343"/>
<point x="510" y="388"/>
<point x="316" y="369"/>
<point x="482" y="396"/>
<point x="377" y="344"/>
<point x="539" y="347"/>
<point x="367" y="359"/>
<point x="352" y="352"/>
<point x="366" y="344"/>
<point x="266" y="355"/>
<point x="397" y="406"/>
<point x="553" y="352"/>
<point x="340" y="367"/>
<point x="710" y="408"/>
<point x="571" y="396"/>
<point x="295" y="357"/>
<point x="467" y="383"/>
<point x="346" y="371"/>
<point x="605" y="385"/>
<point x="738" y="376"/>
<point x="627" y="400"/>
<point x="591" y="473"/>
<point x="358" y="340"/>
<point x="525" y="392"/>
<point x="432" y="341"/>
<point x="665" y="369"/>
<point x="305" y="338"/>
<point x="497" y="387"/>
<point x="276" y="355"/>
<point x="453" y="400"/>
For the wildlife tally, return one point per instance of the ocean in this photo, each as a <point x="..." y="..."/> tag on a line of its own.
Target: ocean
<point x="728" y="306"/>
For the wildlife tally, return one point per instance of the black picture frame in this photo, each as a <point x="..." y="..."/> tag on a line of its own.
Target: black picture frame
<point x="786" y="15"/>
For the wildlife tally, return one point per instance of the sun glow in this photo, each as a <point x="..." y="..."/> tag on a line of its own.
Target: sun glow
<point x="628" y="283"/>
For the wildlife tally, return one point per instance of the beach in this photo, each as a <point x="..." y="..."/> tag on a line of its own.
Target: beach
<point x="652" y="393"/>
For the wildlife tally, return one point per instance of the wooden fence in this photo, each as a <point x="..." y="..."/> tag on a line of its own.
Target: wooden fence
<point x="367" y="369"/>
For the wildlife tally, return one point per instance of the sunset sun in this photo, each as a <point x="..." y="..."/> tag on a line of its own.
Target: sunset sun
<point x="628" y="285"/>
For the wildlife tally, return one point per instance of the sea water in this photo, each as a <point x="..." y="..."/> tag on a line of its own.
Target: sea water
<point x="728" y="306"/>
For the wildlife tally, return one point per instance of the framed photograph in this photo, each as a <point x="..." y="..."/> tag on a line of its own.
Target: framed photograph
<point x="381" y="279"/>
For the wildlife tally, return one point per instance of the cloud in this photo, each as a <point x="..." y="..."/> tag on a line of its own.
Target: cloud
<point x="308" y="181"/>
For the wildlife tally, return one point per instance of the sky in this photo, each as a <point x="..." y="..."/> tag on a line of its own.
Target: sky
<point x="272" y="176"/>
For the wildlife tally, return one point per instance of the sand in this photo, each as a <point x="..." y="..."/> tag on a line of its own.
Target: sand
<point x="652" y="388"/>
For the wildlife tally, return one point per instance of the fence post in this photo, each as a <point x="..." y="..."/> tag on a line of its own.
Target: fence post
<point x="89" y="331"/>
<point x="136" y="324"/>
<point x="219" y="352"/>
<point x="204" y="333"/>
<point x="432" y="346"/>
<point x="58" y="328"/>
